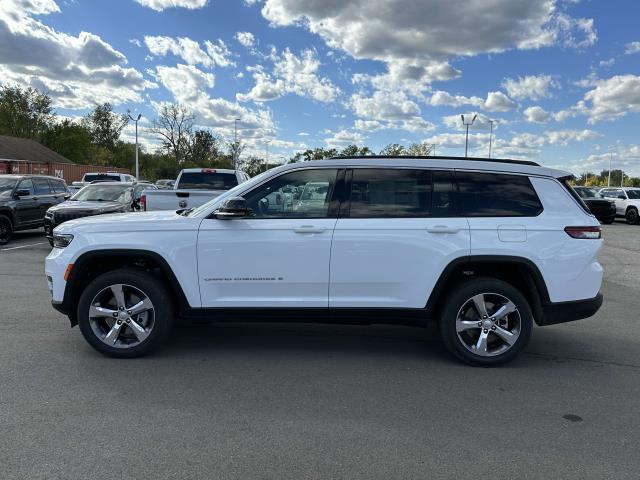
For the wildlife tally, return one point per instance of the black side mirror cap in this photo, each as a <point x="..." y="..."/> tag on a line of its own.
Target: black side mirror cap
<point x="234" y="207"/>
<point x="22" y="193"/>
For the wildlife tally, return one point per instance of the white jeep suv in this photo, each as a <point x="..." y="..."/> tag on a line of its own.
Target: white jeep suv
<point x="627" y="202"/>
<point x="485" y="247"/>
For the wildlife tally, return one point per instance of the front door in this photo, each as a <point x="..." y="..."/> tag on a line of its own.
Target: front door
<point x="27" y="207"/>
<point x="396" y="233"/>
<point x="278" y="256"/>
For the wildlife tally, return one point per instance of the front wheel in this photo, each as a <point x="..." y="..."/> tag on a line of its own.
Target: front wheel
<point x="125" y="313"/>
<point x="632" y="216"/>
<point x="486" y="322"/>
<point x="6" y="229"/>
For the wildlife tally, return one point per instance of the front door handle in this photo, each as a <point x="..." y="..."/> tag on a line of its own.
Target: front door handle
<point x="309" y="229"/>
<point x="443" y="229"/>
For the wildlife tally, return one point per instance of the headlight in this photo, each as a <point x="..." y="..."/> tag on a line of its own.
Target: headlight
<point x="61" y="241"/>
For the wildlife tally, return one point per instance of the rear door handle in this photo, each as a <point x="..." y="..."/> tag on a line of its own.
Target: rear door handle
<point x="308" y="229"/>
<point x="443" y="229"/>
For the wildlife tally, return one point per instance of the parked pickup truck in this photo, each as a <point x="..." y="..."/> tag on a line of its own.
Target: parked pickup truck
<point x="193" y="187"/>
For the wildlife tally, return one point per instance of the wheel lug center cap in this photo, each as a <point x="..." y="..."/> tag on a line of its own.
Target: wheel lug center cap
<point x="487" y="323"/>
<point x="122" y="315"/>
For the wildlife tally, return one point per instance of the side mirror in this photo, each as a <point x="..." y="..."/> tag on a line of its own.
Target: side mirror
<point x="622" y="197"/>
<point x="67" y="196"/>
<point x="23" y="192"/>
<point x="234" y="207"/>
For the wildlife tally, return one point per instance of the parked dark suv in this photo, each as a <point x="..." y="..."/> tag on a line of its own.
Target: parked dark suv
<point x="603" y="209"/>
<point x="24" y="199"/>
<point x="96" y="199"/>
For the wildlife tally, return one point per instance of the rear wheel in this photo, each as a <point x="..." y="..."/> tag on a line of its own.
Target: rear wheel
<point x="608" y="221"/>
<point x="6" y="229"/>
<point x="632" y="216"/>
<point x="486" y="322"/>
<point x="125" y="313"/>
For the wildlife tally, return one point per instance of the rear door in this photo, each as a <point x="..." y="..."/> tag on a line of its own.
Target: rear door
<point x="44" y="195"/>
<point x="397" y="231"/>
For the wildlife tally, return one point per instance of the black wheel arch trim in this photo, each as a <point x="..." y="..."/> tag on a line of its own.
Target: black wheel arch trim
<point x="72" y="290"/>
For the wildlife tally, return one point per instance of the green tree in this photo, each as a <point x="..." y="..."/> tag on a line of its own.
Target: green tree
<point x="393" y="150"/>
<point x="105" y="126"/>
<point x="25" y="113"/>
<point x="204" y="149"/>
<point x="174" y="126"/>
<point x="69" y="140"/>
<point x="355" y="151"/>
<point x="419" y="150"/>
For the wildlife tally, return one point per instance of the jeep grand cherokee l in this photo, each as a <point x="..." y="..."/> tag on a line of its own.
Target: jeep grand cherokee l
<point x="486" y="248"/>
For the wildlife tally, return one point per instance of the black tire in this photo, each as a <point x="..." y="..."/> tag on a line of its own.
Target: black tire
<point x="632" y="216"/>
<point x="460" y="297"/>
<point x="608" y="221"/>
<point x="6" y="229"/>
<point x="164" y="313"/>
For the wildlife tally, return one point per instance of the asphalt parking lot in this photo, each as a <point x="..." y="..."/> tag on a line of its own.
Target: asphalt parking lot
<point x="316" y="401"/>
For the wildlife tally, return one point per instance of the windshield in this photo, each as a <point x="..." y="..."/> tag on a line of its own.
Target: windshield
<point x="101" y="177"/>
<point x="104" y="193"/>
<point x="208" y="180"/>
<point x="213" y="204"/>
<point x="7" y="184"/>
<point x="587" y="192"/>
<point x="635" y="194"/>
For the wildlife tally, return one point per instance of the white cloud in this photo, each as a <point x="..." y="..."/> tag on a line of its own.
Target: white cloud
<point x="160" y="5"/>
<point x="499" y="102"/>
<point x="612" y="98"/>
<point x="246" y="39"/>
<point x="607" y="63"/>
<point x="369" y="125"/>
<point x="291" y="74"/>
<point x="419" y="33"/>
<point x="186" y="79"/>
<point x="77" y="71"/>
<point x="342" y="138"/>
<point x="536" y="114"/>
<point x="631" y="48"/>
<point x="190" y="51"/>
<point x="533" y="87"/>
<point x="442" y="98"/>
<point x="563" y="137"/>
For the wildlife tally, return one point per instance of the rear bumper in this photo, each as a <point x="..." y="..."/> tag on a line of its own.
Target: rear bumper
<point x="561" y="312"/>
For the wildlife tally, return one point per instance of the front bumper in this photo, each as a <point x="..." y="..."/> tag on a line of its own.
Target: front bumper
<point x="561" y="312"/>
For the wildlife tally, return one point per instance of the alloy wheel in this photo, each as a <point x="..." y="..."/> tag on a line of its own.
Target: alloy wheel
<point x="121" y="316"/>
<point x="488" y="324"/>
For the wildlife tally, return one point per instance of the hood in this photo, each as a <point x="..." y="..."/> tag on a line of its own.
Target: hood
<point x="164" y="220"/>
<point x="97" y="207"/>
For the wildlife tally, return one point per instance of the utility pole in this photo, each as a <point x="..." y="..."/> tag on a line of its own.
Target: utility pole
<point x="266" y="162"/>
<point x="610" y="157"/>
<point x="490" y="136"/>
<point x="235" y="143"/>
<point x="137" y="164"/>
<point x="466" y="142"/>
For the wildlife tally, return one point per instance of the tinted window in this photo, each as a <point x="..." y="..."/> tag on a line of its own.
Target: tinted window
<point x="58" y="186"/>
<point x="301" y="194"/>
<point x="442" y="198"/>
<point x="7" y="184"/>
<point x="41" y="186"/>
<point x="634" y="194"/>
<point x="208" y="180"/>
<point x="101" y="177"/>
<point x="496" y="195"/>
<point x="390" y="193"/>
<point x="26" y="184"/>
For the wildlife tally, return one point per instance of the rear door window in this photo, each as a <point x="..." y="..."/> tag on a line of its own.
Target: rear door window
<point x="41" y="186"/>
<point x="208" y="180"/>
<point x="496" y="195"/>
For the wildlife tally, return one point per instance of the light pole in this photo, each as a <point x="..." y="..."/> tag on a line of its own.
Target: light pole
<point x="266" y="162"/>
<point x="136" y="121"/>
<point x="610" y="158"/>
<point x="466" y="142"/>
<point x="490" y="136"/>
<point x="235" y="143"/>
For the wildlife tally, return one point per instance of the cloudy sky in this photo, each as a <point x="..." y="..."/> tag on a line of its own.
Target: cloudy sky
<point x="561" y="78"/>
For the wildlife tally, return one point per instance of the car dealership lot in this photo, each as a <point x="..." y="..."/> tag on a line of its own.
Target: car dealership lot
<point x="317" y="401"/>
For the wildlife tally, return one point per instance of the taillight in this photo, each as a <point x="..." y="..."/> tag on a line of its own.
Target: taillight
<point x="143" y="202"/>
<point x="590" y="233"/>
<point x="208" y="170"/>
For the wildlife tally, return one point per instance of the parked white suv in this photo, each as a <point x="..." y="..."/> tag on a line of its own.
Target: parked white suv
<point x="627" y="202"/>
<point x="486" y="248"/>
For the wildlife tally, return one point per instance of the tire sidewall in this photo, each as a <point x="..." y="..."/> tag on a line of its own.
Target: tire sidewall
<point x="4" y="221"/>
<point x="460" y="296"/>
<point x="632" y="216"/>
<point x="157" y="293"/>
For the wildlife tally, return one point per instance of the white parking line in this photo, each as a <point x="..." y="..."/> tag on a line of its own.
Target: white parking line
<point x="22" y="246"/>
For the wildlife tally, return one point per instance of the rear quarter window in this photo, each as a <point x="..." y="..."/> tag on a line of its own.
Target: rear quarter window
<point x="496" y="195"/>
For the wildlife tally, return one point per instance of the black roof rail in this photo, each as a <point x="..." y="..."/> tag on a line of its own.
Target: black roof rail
<point x="437" y="157"/>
